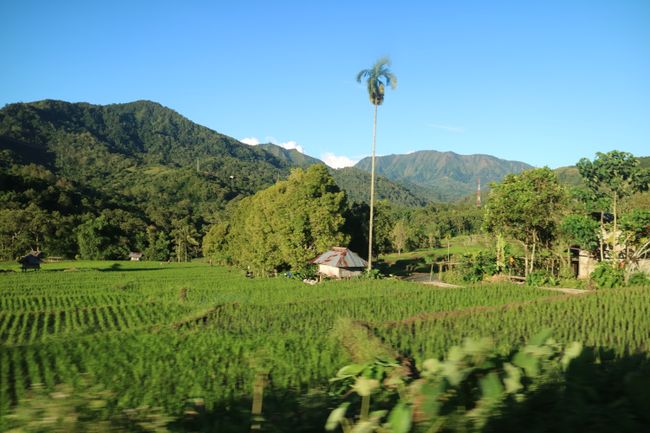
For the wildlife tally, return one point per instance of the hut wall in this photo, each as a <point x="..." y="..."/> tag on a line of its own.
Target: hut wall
<point x="350" y="272"/>
<point x="330" y="271"/>
<point x="586" y="265"/>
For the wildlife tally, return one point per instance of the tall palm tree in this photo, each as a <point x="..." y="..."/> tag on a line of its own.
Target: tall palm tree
<point x="377" y="78"/>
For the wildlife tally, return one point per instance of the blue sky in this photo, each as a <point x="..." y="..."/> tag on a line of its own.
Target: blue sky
<point x="545" y="82"/>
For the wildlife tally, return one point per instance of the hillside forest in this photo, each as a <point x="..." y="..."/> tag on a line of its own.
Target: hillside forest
<point x="98" y="182"/>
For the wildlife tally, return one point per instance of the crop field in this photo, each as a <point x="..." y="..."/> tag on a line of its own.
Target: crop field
<point x="160" y="335"/>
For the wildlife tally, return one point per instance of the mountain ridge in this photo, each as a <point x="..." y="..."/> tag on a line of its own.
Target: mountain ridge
<point x="445" y="175"/>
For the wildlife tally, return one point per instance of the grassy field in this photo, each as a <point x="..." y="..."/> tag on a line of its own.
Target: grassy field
<point x="163" y="334"/>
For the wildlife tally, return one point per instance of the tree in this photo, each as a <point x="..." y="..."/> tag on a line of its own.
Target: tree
<point x="399" y="235"/>
<point x="214" y="242"/>
<point x="92" y="239"/>
<point x="377" y="78"/>
<point x="185" y="240"/>
<point x="526" y="206"/>
<point x="289" y="223"/>
<point x="614" y="175"/>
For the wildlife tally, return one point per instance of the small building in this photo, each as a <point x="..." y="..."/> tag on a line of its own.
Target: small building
<point x="340" y="262"/>
<point x="135" y="257"/>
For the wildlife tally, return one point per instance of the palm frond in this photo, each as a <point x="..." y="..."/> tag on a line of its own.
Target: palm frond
<point x="375" y="78"/>
<point x="362" y="74"/>
<point x="391" y="79"/>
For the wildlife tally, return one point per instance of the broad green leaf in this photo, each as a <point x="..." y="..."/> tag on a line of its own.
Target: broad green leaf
<point x="491" y="387"/>
<point x="527" y="362"/>
<point x="336" y="416"/>
<point x="400" y="418"/>
<point x="512" y="380"/>
<point x="350" y="370"/>
<point x="572" y="351"/>
<point x="364" y="427"/>
<point x="541" y="337"/>
<point x="364" y="386"/>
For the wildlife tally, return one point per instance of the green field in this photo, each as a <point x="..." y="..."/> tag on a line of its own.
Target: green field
<point x="160" y="334"/>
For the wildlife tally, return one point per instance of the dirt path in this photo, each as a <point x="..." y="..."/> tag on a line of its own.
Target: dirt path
<point x="568" y="291"/>
<point x="423" y="278"/>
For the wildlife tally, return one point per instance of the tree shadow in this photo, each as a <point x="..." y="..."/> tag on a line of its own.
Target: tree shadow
<point x="598" y="393"/>
<point x="283" y="410"/>
<point x="403" y="267"/>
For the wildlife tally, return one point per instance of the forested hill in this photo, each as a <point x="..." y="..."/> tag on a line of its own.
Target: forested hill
<point x="142" y="149"/>
<point x="445" y="176"/>
<point x="84" y="141"/>
<point x="129" y="170"/>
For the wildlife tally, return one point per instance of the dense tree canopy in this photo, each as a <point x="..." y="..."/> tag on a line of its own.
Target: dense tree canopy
<point x="286" y="225"/>
<point x="526" y="207"/>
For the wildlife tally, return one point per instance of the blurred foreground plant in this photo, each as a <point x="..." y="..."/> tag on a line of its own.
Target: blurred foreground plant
<point x="463" y="389"/>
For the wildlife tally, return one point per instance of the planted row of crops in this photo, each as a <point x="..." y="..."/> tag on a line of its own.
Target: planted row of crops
<point x="160" y="335"/>
<point x="616" y="319"/>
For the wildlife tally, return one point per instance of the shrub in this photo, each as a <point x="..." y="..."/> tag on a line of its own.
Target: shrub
<point x="638" y="279"/>
<point x="607" y="276"/>
<point x="479" y="265"/>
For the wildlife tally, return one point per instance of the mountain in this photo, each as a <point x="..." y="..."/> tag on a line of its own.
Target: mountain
<point x="446" y="176"/>
<point x="129" y="176"/>
<point x="290" y="157"/>
<point x="356" y="183"/>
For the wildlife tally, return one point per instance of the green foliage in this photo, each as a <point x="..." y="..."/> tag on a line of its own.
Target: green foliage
<point x="580" y="230"/>
<point x="607" y="276"/>
<point x="638" y="279"/>
<point x="160" y="334"/>
<point x="616" y="174"/>
<point x="526" y="207"/>
<point x="539" y="278"/>
<point x="443" y="176"/>
<point x="355" y="184"/>
<point x="377" y="78"/>
<point x="288" y="224"/>
<point x="461" y="391"/>
<point x="478" y="266"/>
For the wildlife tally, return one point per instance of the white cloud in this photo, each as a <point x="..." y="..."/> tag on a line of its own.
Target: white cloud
<point x="291" y="144"/>
<point x="447" y="128"/>
<point x="335" y="161"/>
<point x="251" y="141"/>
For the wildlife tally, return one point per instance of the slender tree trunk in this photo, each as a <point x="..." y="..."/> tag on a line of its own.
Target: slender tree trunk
<point x="372" y="188"/>
<point x="602" y="234"/>
<point x="532" y="257"/>
<point x="615" y="234"/>
<point x="525" y="260"/>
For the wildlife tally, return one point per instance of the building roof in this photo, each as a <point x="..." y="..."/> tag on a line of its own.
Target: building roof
<point x="135" y="255"/>
<point x="340" y="257"/>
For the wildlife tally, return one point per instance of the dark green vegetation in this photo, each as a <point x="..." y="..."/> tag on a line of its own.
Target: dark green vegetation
<point x="283" y="227"/>
<point x="137" y="176"/>
<point x="159" y="335"/>
<point x="446" y="176"/>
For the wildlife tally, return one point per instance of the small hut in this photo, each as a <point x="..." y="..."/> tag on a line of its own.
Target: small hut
<point x="31" y="261"/>
<point x="135" y="257"/>
<point x="340" y="262"/>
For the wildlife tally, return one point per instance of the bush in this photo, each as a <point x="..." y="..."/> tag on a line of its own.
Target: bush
<point x="479" y="265"/>
<point x="606" y="276"/>
<point x="372" y="274"/>
<point x="638" y="279"/>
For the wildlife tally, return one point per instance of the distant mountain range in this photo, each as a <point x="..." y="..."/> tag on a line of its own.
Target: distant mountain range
<point x="443" y="176"/>
<point x="148" y="156"/>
